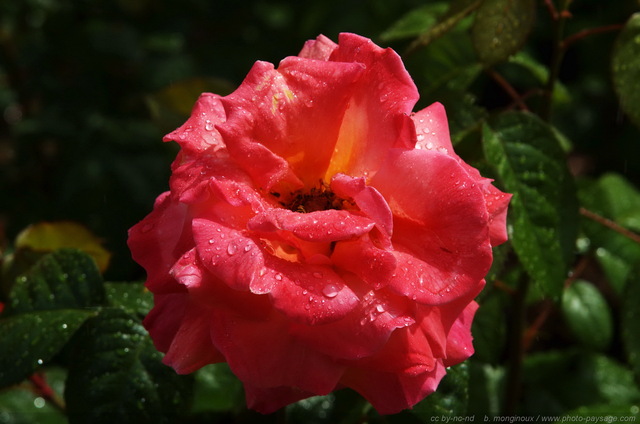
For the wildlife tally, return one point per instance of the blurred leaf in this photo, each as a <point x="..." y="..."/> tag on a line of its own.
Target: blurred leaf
<point x="457" y="12"/>
<point x="486" y="389"/>
<point x="116" y="375"/>
<point x="415" y="22"/>
<point x="134" y="298"/>
<point x="543" y="211"/>
<point x="217" y="389"/>
<point x="630" y="321"/>
<point x="540" y="72"/>
<point x="587" y="314"/>
<point x="31" y="339"/>
<point x="615" y="198"/>
<point x="51" y="236"/>
<point x="22" y="406"/>
<point x="490" y="328"/>
<point x="557" y="382"/>
<point x="171" y="106"/>
<point x="450" y="399"/>
<point x="501" y="28"/>
<point x="66" y="278"/>
<point x="625" y="64"/>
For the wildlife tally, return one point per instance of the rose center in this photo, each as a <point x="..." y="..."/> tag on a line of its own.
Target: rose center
<point x="319" y="198"/>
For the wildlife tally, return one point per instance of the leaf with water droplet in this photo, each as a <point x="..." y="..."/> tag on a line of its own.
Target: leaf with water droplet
<point x="47" y="332"/>
<point x="116" y="375"/>
<point x="543" y="213"/>
<point x="625" y="65"/>
<point x="501" y="28"/>
<point x="132" y="297"/>
<point x="67" y="278"/>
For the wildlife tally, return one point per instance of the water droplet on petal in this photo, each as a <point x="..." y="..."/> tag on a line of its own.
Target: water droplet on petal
<point x="318" y="274"/>
<point x="147" y="227"/>
<point x="330" y="290"/>
<point x="208" y="125"/>
<point x="248" y="247"/>
<point x="380" y="308"/>
<point x="278" y="277"/>
<point x="232" y="249"/>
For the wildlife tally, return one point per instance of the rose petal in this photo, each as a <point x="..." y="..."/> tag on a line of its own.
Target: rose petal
<point x="198" y="133"/>
<point x="362" y="332"/>
<point x="377" y="117"/>
<point x="180" y="328"/>
<point x="320" y="48"/>
<point x="441" y="225"/>
<point x="433" y="134"/>
<point x="268" y="400"/>
<point x="367" y="198"/>
<point x="159" y="240"/>
<point x="294" y="113"/>
<point x="390" y="393"/>
<point x="312" y="294"/>
<point x="264" y="354"/>
<point x="459" y="340"/>
<point x="319" y="226"/>
<point x="432" y="129"/>
<point x="370" y="263"/>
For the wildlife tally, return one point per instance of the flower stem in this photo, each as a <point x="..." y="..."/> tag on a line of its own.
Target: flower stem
<point x="610" y="224"/>
<point x="557" y="54"/>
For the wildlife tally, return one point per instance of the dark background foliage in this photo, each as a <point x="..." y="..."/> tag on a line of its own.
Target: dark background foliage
<point x="89" y="87"/>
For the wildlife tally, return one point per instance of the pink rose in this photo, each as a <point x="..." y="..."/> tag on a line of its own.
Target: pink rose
<point x="318" y="234"/>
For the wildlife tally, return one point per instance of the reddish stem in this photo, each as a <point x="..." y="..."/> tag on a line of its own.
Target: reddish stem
<point x="610" y="224"/>
<point x="44" y="390"/>
<point x="517" y="98"/>
<point x="567" y="42"/>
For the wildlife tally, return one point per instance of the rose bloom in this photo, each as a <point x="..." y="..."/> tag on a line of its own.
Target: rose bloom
<point x="318" y="234"/>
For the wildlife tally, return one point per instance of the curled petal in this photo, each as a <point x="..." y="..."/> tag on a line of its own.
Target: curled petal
<point x="440" y="231"/>
<point x="180" y="328"/>
<point x="313" y="294"/>
<point x="294" y="113"/>
<point x="379" y="108"/>
<point x="319" y="226"/>
<point x="370" y="263"/>
<point x="199" y="133"/>
<point x="362" y="332"/>
<point x="432" y="129"/>
<point x="320" y="48"/>
<point x="367" y="198"/>
<point x="459" y="340"/>
<point x="159" y="240"/>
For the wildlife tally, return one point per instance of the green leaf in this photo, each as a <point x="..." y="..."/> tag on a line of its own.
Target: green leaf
<point x="216" y="389"/>
<point x="64" y="279"/>
<point x="579" y="379"/>
<point x="501" y="28"/>
<point x="450" y="399"/>
<point x="134" y="298"/>
<point x="630" y="321"/>
<point x="490" y="328"/>
<point x="625" y="64"/>
<point x="543" y="212"/>
<point x="614" y="198"/>
<point x="31" y="339"/>
<point x="415" y="22"/>
<point x="587" y="314"/>
<point x="486" y="389"/>
<point x="116" y="375"/>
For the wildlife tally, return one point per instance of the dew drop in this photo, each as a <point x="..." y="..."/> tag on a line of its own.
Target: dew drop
<point x="208" y="125"/>
<point x="64" y="326"/>
<point x="429" y="145"/>
<point x="248" y="247"/>
<point x="318" y="274"/>
<point x="232" y="249"/>
<point x="380" y="308"/>
<point x="330" y="290"/>
<point x="147" y="227"/>
<point x="278" y="277"/>
<point x="40" y="362"/>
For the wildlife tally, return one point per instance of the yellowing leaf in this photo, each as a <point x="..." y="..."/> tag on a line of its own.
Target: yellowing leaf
<point x="51" y="236"/>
